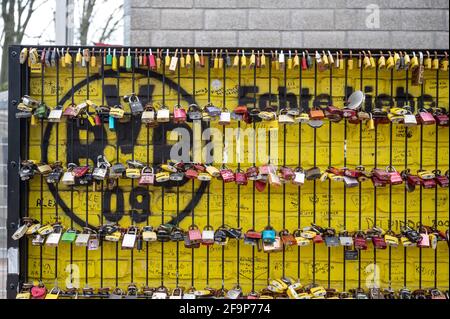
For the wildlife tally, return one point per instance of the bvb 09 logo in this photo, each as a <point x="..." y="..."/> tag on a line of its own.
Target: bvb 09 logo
<point x="161" y="150"/>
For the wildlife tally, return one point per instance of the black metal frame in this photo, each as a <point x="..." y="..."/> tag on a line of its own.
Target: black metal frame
<point x="17" y="137"/>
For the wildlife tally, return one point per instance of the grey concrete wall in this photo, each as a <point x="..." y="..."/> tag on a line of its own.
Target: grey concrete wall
<point x="287" y="23"/>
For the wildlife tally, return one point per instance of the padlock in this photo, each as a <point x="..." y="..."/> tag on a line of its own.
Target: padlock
<point x="350" y="181"/>
<point x="179" y="114"/>
<point x="411" y="234"/>
<point x="379" y="242"/>
<point x="191" y="173"/>
<point x="54" y="237"/>
<point x="313" y="173"/>
<point x="134" y="169"/>
<point x="147" y="176"/>
<point x="345" y="239"/>
<point x="225" y="117"/>
<point x="274" y="179"/>
<point x="269" y="247"/>
<point x="55" y="175"/>
<point x="301" y="241"/>
<point x="70" y="111"/>
<point x="316" y="114"/>
<point x="441" y="116"/>
<point x="333" y="114"/>
<point x="428" y="183"/>
<point x="83" y="238"/>
<point x="101" y="171"/>
<point x="135" y="104"/>
<point x="207" y="235"/>
<point x="268" y="235"/>
<point x="162" y="177"/>
<point x="178" y="176"/>
<point x="210" y="109"/>
<point x="160" y="293"/>
<point x="286" y="174"/>
<point x="252" y="173"/>
<point x="285" y="117"/>
<point x="391" y="239"/>
<point x="360" y="241"/>
<point x="240" y="177"/>
<point x="129" y="238"/>
<point x="117" y="112"/>
<point x="424" y="241"/>
<point x="318" y="239"/>
<point x="93" y="242"/>
<point x="194" y="112"/>
<point x="425" y="118"/>
<point x="44" y="169"/>
<point x="299" y="176"/>
<point x="252" y="237"/>
<point x="163" y="115"/>
<point x="268" y="114"/>
<point x="38" y="291"/>
<point x="55" y="114"/>
<point x="148" y="234"/>
<point x="69" y="236"/>
<point x="148" y="116"/>
<point x="38" y="240"/>
<point x="441" y="180"/>
<point x="117" y="170"/>
<point x="287" y="238"/>
<point x="227" y="175"/>
<point x="394" y="177"/>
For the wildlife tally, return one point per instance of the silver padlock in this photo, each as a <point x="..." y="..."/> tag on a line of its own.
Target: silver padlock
<point x="409" y="120"/>
<point x="160" y="293"/>
<point x="54" y="238"/>
<point x="101" y="170"/>
<point x="350" y="181"/>
<point x="38" y="240"/>
<point x="225" y="117"/>
<point x="299" y="177"/>
<point x="148" y="116"/>
<point x="93" y="242"/>
<point x="346" y="240"/>
<point x="208" y="235"/>
<point x="135" y="104"/>
<point x="20" y="232"/>
<point x="129" y="239"/>
<point x="163" y="115"/>
<point x="68" y="177"/>
<point x="83" y="238"/>
<point x="55" y="114"/>
<point x="234" y="293"/>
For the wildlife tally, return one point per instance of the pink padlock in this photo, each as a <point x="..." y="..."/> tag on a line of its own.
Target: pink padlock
<point x="194" y="234"/>
<point x="147" y="176"/>
<point x="227" y="175"/>
<point x="360" y="241"/>
<point x="425" y="118"/>
<point x="425" y="240"/>
<point x="395" y="177"/>
<point x="179" y="114"/>
<point x="240" y="177"/>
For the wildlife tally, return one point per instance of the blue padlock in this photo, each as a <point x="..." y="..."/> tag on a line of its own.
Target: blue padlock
<point x="268" y="235"/>
<point x="112" y="123"/>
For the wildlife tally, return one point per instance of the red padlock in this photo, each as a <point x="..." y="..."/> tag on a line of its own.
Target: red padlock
<point x="287" y="173"/>
<point x="260" y="185"/>
<point x="151" y="61"/>
<point x="360" y="241"/>
<point x="316" y="114"/>
<point x="98" y="120"/>
<point x="349" y="113"/>
<point x="352" y="173"/>
<point x="318" y="239"/>
<point x="411" y="179"/>
<point x="227" y="175"/>
<point x="378" y="182"/>
<point x="379" y="242"/>
<point x="191" y="173"/>
<point x="200" y="168"/>
<point x="441" y="180"/>
<point x="287" y="238"/>
<point x="194" y="234"/>
<point x="80" y="171"/>
<point x="333" y="113"/>
<point x="441" y="117"/>
<point x="395" y="177"/>
<point x="428" y="183"/>
<point x="240" y="177"/>
<point x="425" y="118"/>
<point x="336" y="171"/>
<point x="304" y="63"/>
<point x="381" y="174"/>
<point x="252" y="173"/>
<point x="179" y="114"/>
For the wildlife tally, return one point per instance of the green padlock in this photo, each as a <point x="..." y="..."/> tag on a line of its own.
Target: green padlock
<point x="109" y="57"/>
<point x="69" y="236"/>
<point x="128" y="61"/>
<point x="41" y="111"/>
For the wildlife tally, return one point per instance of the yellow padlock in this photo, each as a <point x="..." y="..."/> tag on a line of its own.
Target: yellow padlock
<point x="236" y="60"/>
<point x="182" y="60"/>
<point x="93" y="62"/>
<point x="167" y="59"/>
<point x="243" y="60"/>
<point x="263" y="60"/>
<point x="188" y="59"/>
<point x="414" y="62"/>
<point x="252" y="60"/>
<point x="114" y="62"/>
<point x="78" y="57"/>
<point x="396" y="58"/>
<point x="296" y="61"/>
<point x="325" y="59"/>
<point x="276" y="61"/>
<point x="381" y="61"/>
<point x="372" y="61"/>
<point x="121" y="58"/>
<point x="407" y="59"/>
<point x="390" y="61"/>
<point x="341" y="60"/>
<point x="68" y="58"/>
<point x="444" y="63"/>
<point x="427" y="63"/>
<point x="220" y="60"/>
<point x="158" y="59"/>
<point x="196" y="58"/>
<point x="63" y="60"/>
<point x="366" y="61"/>
<point x="216" y="60"/>
<point x="435" y="65"/>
